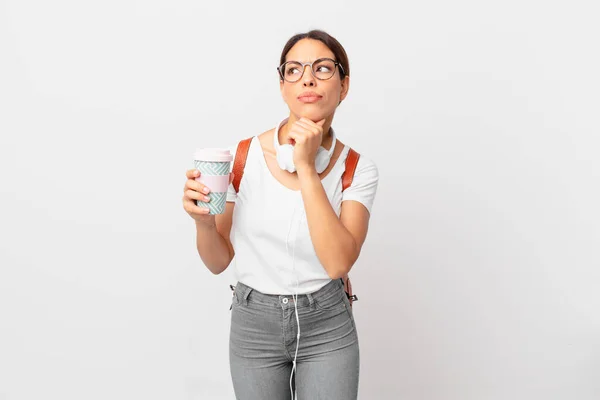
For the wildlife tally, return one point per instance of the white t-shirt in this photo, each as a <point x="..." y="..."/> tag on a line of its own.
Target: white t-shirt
<point x="270" y="232"/>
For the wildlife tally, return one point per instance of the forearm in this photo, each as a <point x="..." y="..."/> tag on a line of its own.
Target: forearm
<point x="212" y="248"/>
<point x="334" y="245"/>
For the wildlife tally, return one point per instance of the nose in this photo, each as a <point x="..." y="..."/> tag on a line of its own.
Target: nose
<point x="307" y="77"/>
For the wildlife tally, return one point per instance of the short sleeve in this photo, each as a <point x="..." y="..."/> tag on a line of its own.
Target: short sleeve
<point x="231" y="194"/>
<point x="364" y="184"/>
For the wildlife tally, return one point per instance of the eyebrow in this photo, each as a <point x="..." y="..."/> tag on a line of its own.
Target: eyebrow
<point x="318" y="58"/>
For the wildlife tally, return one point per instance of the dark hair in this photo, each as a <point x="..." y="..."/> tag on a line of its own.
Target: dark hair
<point x="336" y="48"/>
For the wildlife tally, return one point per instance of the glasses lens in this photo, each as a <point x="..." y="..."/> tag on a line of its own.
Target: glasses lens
<point x="324" y="69"/>
<point x="292" y="71"/>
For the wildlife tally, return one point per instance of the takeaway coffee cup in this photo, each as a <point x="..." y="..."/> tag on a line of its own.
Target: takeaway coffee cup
<point x="214" y="166"/>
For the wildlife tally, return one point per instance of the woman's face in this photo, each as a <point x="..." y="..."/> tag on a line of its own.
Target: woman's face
<point x="331" y="91"/>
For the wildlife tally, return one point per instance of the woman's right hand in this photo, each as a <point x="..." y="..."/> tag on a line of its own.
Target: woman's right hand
<point x="194" y="190"/>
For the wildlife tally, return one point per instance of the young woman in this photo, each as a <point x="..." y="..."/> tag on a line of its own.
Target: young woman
<point x="294" y="233"/>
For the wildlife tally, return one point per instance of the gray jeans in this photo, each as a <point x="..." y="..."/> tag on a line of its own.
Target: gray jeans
<point x="262" y="345"/>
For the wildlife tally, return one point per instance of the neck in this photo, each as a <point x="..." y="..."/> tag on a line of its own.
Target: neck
<point x="284" y="137"/>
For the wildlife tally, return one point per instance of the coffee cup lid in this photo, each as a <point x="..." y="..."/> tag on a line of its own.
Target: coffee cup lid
<point x="216" y="155"/>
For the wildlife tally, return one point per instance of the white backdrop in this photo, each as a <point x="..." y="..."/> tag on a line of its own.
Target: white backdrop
<point x="479" y="278"/>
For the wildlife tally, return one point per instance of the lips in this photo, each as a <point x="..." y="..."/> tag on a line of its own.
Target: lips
<point x="309" y="99"/>
<point x="309" y="96"/>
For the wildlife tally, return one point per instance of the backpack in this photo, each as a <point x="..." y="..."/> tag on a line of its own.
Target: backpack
<point x="351" y="162"/>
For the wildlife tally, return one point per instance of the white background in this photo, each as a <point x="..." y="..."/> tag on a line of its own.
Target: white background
<point x="480" y="276"/>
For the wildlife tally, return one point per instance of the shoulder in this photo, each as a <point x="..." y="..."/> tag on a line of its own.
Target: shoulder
<point x="264" y="138"/>
<point x="366" y="168"/>
<point x="233" y="147"/>
<point x="261" y="140"/>
<point x="366" y="163"/>
<point x="364" y="183"/>
<point x="266" y="141"/>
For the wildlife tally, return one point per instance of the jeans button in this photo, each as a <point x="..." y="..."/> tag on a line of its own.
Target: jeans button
<point x="285" y="300"/>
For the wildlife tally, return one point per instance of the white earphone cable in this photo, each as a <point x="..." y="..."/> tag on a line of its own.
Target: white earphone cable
<point x="295" y="301"/>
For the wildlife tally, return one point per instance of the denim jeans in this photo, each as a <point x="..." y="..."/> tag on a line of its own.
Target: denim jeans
<point x="263" y="340"/>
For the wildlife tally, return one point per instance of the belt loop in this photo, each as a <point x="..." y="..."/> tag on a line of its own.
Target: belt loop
<point x="311" y="301"/>
<point x="246" y="293"/>
<point x="233" y="294"/>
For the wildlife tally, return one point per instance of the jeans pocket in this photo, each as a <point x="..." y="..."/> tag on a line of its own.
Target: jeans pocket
<point x="334" y="302"/>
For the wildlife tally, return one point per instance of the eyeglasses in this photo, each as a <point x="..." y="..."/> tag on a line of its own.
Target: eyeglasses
<point x="323" y="69"/>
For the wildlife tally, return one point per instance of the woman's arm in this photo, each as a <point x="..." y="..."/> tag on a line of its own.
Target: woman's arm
<point x="337" y="242"/>
<point x="213" y="243"/>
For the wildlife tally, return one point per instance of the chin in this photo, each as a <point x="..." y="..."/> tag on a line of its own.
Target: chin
<point x="311" y="112"/>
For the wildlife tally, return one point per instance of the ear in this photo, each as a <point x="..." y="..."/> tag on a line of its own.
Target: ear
<point x="282" y="91"/>
<point x="281" y="81"/>
<point x="345" y="88"/>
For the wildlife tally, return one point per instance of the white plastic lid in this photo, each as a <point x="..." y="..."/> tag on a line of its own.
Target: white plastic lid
<point x="215" y="155"/>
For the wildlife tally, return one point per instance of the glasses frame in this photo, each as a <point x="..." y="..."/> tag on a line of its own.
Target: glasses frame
<point x="282" y="75"/>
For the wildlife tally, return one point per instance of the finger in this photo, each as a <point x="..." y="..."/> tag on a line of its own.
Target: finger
<point x="303" y="130"/>
<point x="231" y="176"/>
<point x="312" y="123"/>
<point x="192" y="173"/>
<point x="304" y="123"/>
<point x="196" y="186"/>
<point x="306" y="120"/>
<point x="305" y="133"/>
<point x="300" y="129"/>
<point x="200" y="210"/>
<point x="193" y="195"/>
<point x="311" y="127"/>
<point x="194" y="209"/>
<point x="191" y="207"/>
<point x="199" y="187"/>
<point x="298" y="137"/>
